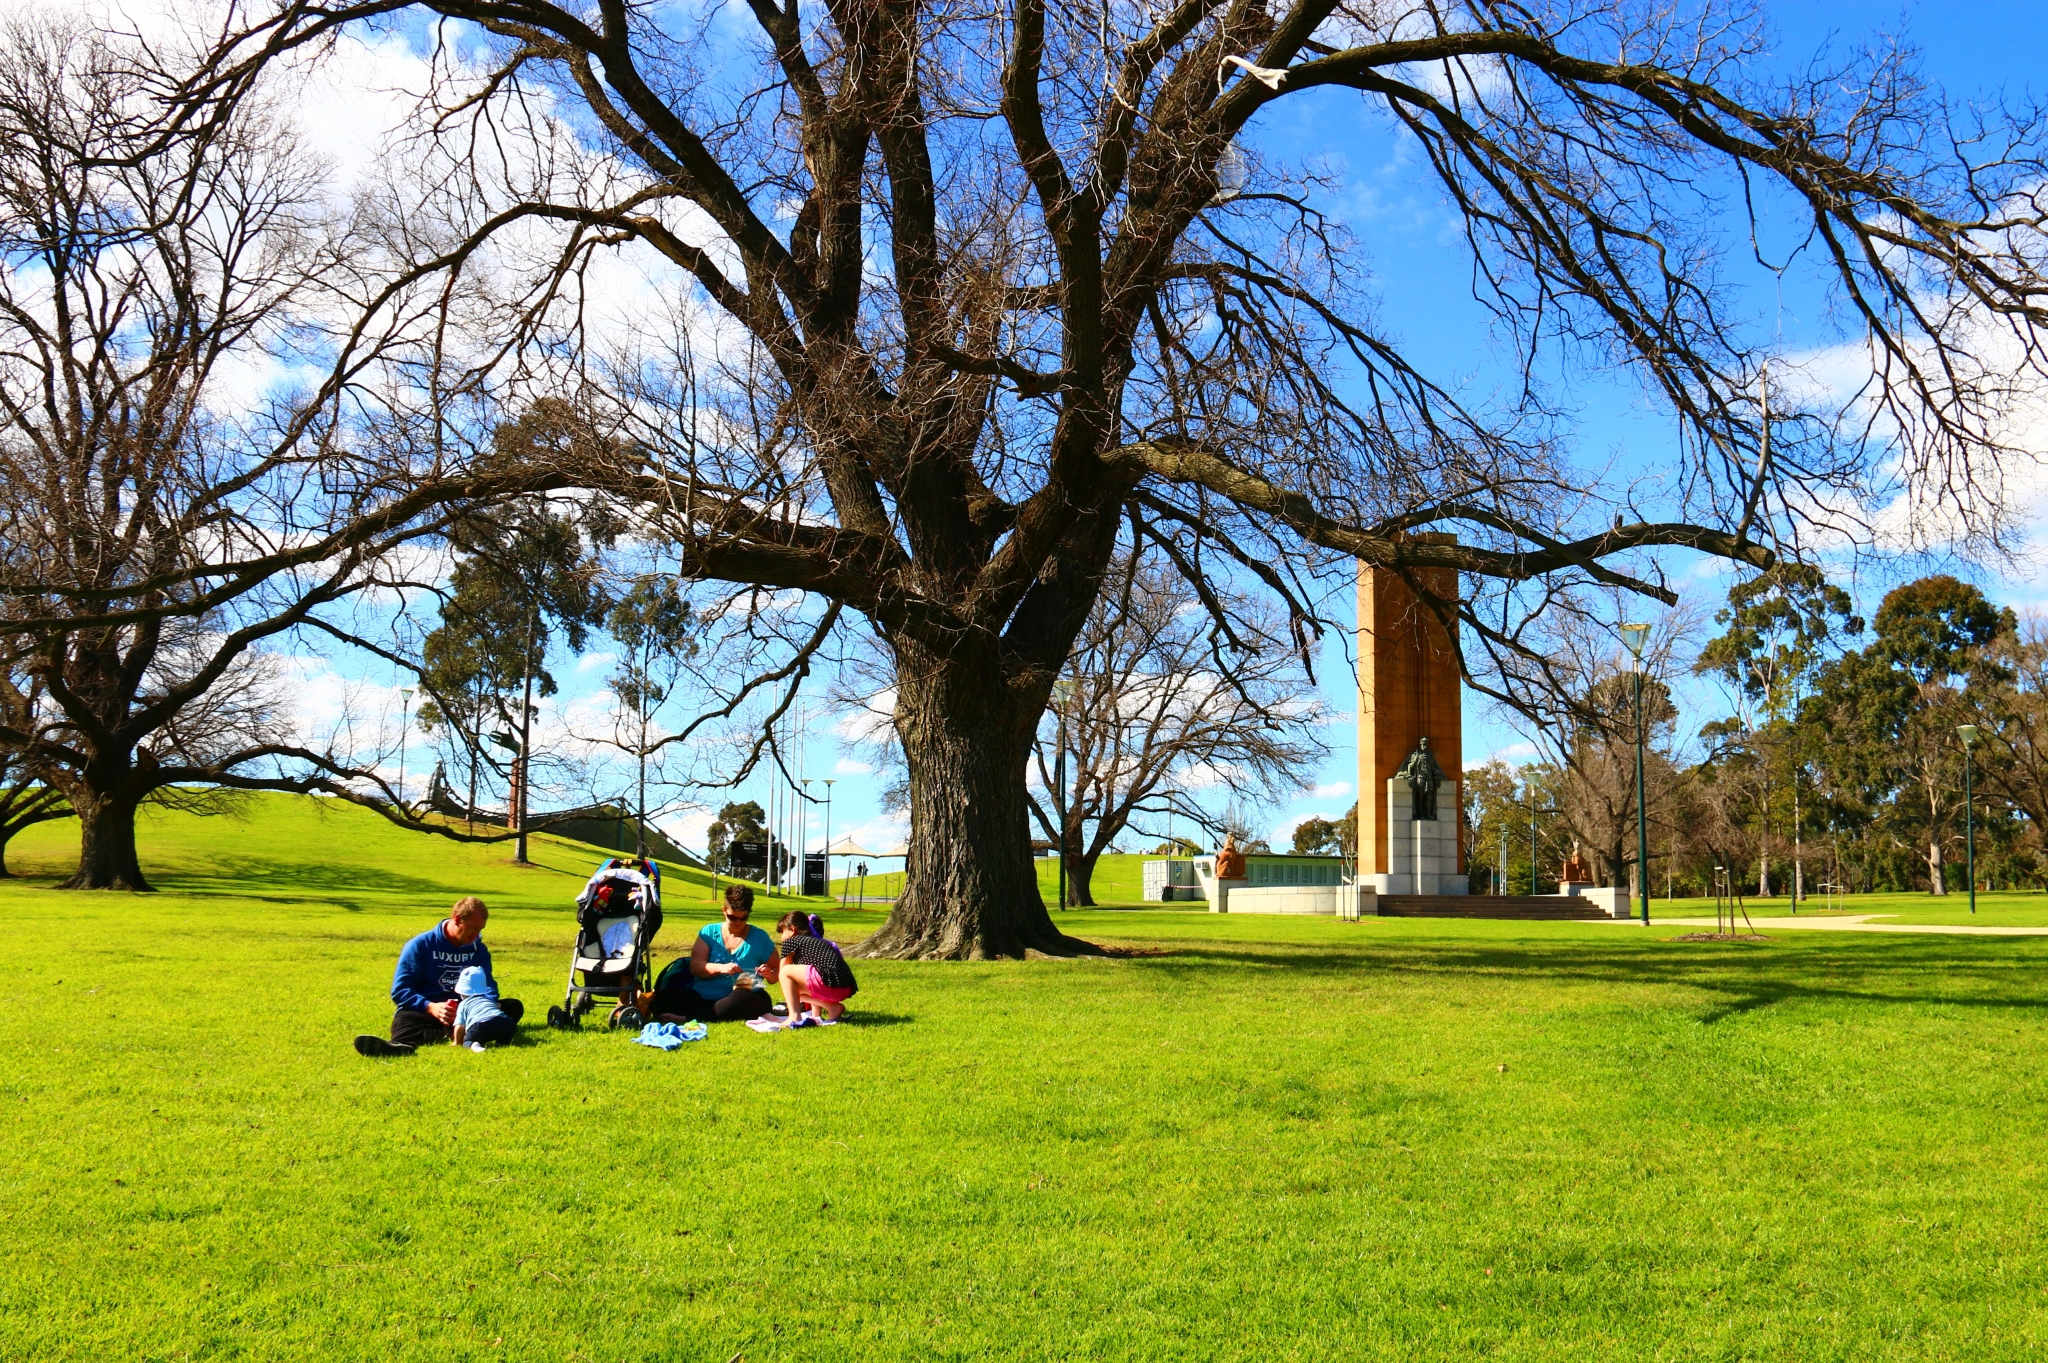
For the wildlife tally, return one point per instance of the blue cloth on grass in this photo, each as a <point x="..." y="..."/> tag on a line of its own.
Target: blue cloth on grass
<point x="667" y="1036"/>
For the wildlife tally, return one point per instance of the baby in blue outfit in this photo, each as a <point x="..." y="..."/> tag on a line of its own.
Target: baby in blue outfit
<point x="479" y="1022"/>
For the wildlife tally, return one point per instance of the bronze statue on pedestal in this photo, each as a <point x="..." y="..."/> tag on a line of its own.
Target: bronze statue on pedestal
<point x="1423" y="775"/>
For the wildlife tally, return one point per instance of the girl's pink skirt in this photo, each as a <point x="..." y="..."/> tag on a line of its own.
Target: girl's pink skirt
<point x="814" y="988"/>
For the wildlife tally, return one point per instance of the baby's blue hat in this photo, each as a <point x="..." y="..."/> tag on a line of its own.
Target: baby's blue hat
<point x="473" y="981"/>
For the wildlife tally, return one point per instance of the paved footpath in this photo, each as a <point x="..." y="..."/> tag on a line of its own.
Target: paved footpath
<point x="1857" y="922"/>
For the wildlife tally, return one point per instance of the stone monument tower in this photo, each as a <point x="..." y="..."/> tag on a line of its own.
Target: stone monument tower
<point x="1409" y="689"/>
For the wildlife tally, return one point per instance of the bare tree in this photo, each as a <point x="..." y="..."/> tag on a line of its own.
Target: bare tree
<point x="159" y="532"/>
<point x="1584" y="700"/>
<point x="1151" y="707"/>
<point x="26" y="796"/>
<point x="995" y="281"/>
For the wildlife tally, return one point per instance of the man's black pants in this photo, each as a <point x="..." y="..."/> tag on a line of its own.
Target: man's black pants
<point x="416" y="1027"/>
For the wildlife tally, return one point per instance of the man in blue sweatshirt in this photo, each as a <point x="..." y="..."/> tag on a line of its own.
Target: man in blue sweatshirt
<point x="423" y="986"/>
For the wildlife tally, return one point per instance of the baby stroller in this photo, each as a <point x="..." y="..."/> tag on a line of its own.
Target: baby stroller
<point x="617" y="916"/>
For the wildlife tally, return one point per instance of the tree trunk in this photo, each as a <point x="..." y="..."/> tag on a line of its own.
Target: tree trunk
<point x="1937" y="882"/>
<point x="1763" y="877"/>
<point x="1080" y="879"/>
<point x="971" y="891"/>
<point x="106" y="843"/>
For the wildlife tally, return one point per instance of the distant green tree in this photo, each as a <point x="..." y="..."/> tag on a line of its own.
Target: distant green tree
<point x="1881" y="721"/>
<point x="1321" y="837"/>
<point x="1491" y="824"/>
<point x="524" y="576"/>
<point x="742" y="822"/>
<point x="653" y="627"/>
<point x="1779" y="629"/>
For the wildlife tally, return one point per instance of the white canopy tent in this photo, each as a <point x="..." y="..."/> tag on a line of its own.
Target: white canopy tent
<point x="847" y="847"/>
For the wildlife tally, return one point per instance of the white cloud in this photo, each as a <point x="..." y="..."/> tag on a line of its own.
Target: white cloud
<point x="1281" y="839"/>
<point x="870" y="722"/>
<point x="690" y="829"/>
<point x="878" y="835"/>
<point x="847" y="766"/>
<point x="1513" y="752"/>
<point x="1332" y="790"/>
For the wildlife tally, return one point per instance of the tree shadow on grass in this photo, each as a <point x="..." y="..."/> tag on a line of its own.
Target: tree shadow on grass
<point x="854" y="1019"/>
<point x="1967" y="973"/>
<point x="254" y="878"/>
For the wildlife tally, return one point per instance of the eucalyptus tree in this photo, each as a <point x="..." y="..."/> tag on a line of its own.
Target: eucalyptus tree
<point x="524" y="576"/>
<point x="974" y="287"/>
<point x="653" y="625"/>
<point x="1884" y="717"/>
<point x="1780" y="628"/>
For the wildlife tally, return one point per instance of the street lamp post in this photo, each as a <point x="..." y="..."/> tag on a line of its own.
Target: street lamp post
<point x="1968" y="733"/>
<point x="1636" y="636"/>
<point x="404" y="723"/>
<point x="828" y="834"/>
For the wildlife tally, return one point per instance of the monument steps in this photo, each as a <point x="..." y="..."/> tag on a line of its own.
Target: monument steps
<point x="1523" y="906"/>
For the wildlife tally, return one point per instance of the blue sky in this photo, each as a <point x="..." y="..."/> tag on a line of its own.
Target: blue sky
<point x="1420" y="273"/>
<point x="1415" y="263"/>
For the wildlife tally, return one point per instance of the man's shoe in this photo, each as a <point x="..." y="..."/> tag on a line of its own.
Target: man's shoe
<point x="377" y="1045"/>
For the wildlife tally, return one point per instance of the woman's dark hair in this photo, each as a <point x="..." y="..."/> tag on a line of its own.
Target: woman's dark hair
<point x="800" y="921"/>
<point x="739" y="897"/>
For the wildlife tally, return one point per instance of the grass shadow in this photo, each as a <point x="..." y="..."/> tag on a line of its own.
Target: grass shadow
<point x="1972" y="973"/>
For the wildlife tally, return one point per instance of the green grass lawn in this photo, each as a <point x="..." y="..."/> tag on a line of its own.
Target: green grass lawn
<point x="1119" y="879"/>
<point x="2013" y="908"/>
<point x="1253" y="1138"/>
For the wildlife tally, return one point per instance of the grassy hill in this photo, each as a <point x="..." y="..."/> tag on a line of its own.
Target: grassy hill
<point x="1241" y="1138"/>
<point x="295" y="848"/>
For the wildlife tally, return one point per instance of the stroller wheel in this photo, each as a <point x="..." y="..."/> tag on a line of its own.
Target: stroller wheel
<point x="562" y="1019"/>
<point x="626" y="1016"/>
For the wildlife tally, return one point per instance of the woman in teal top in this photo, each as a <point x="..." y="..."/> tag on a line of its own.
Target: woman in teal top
<point x="703" y="989"/>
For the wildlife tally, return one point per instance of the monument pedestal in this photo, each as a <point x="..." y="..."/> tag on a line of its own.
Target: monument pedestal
<point x="1422" y="854"/>
<point x="1612" y="899"/>
<point x="1219" y="896"/>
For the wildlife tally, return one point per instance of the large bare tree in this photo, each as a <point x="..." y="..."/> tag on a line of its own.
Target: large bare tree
<point x="160" y="525"/>
<point x="984" y="284"/>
